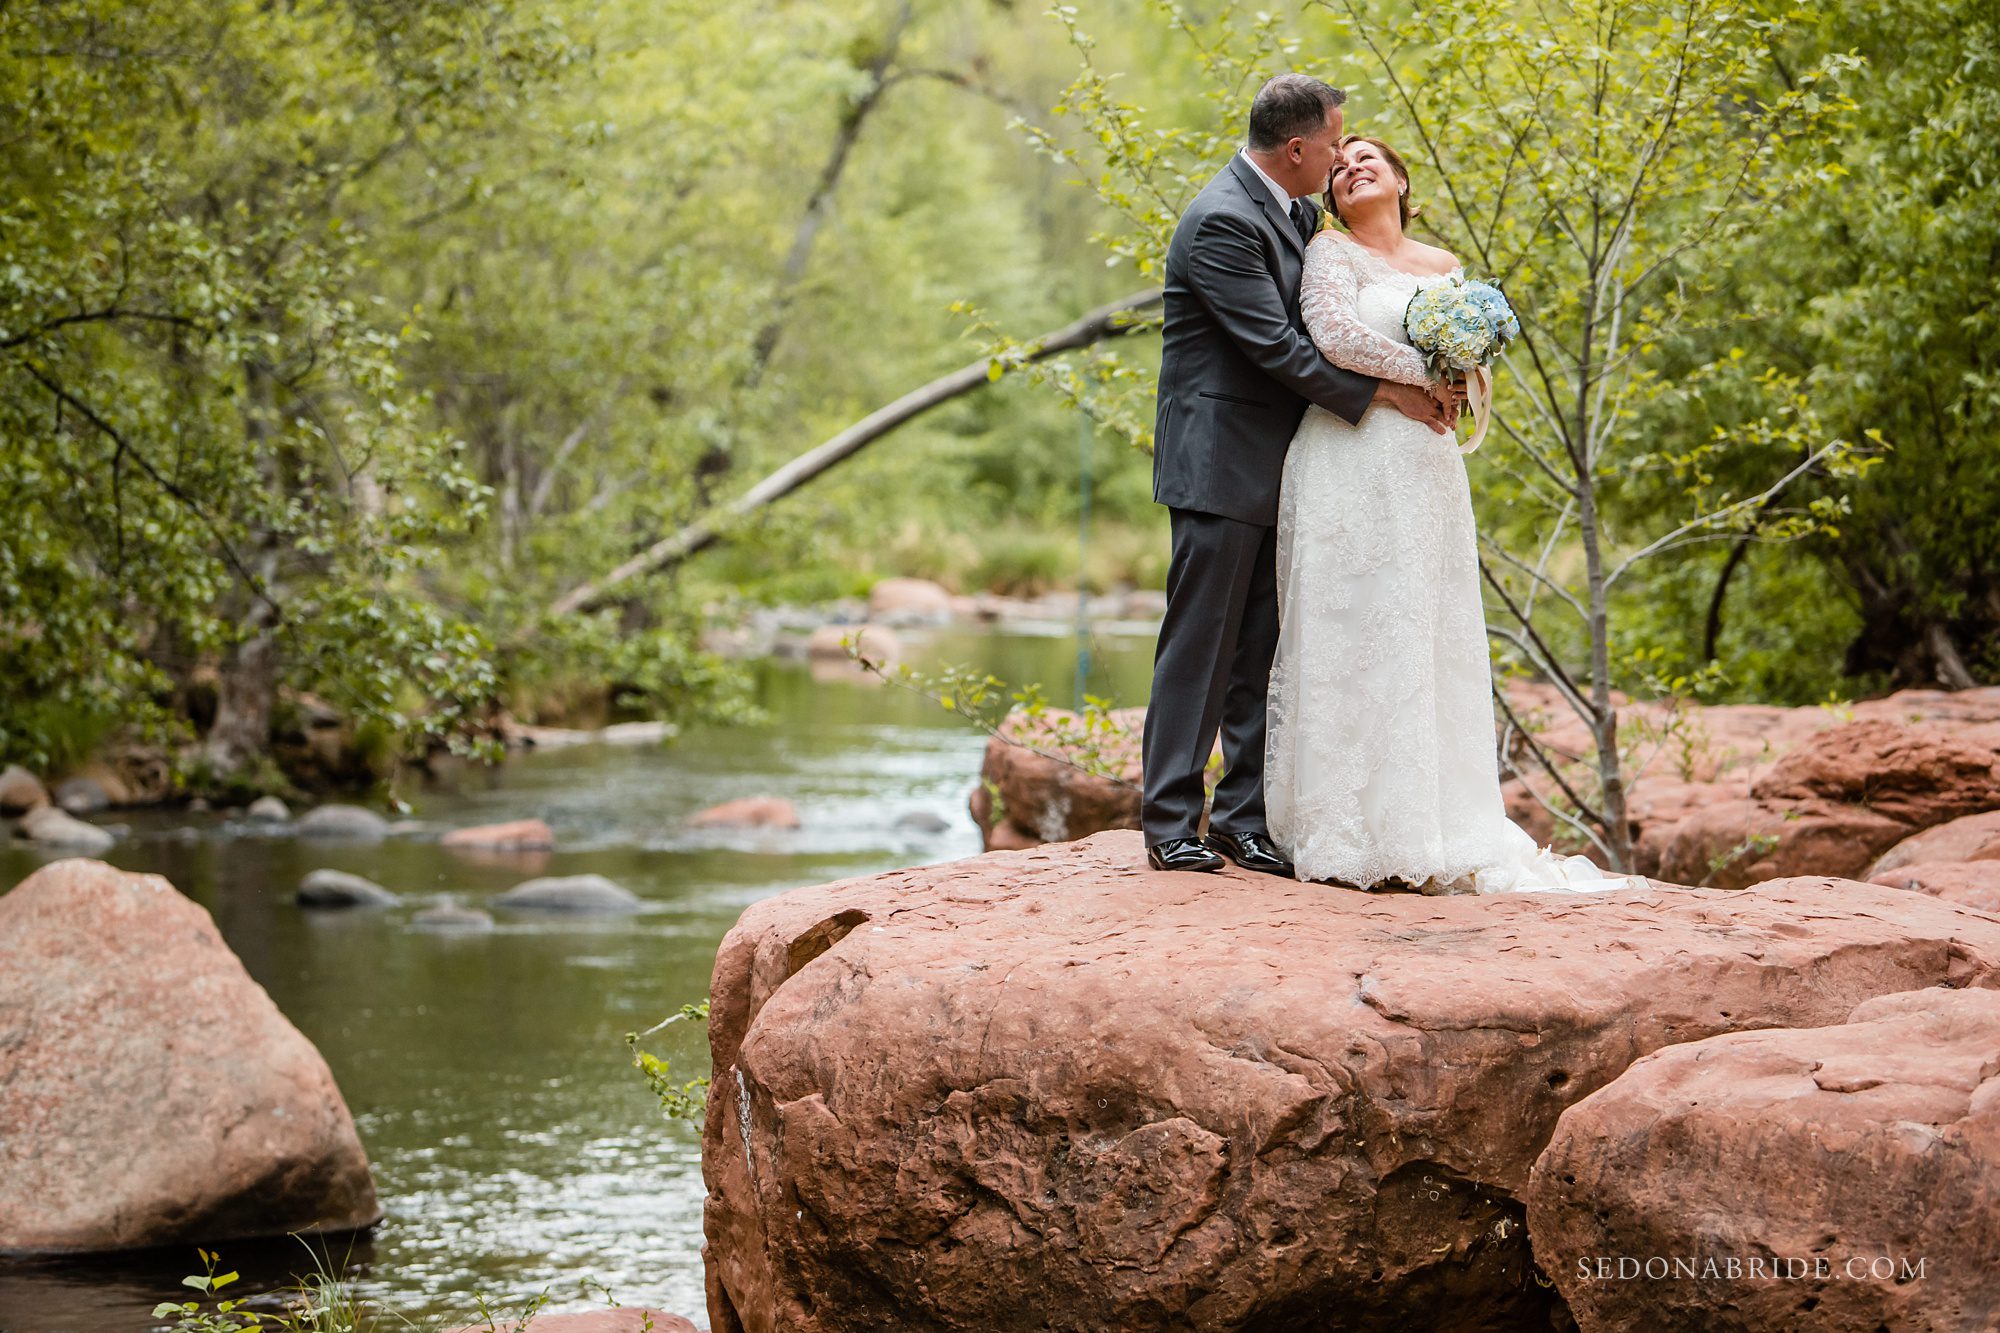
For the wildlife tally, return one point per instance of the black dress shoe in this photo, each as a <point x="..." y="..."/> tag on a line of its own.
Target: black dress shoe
<point x="1182" y="854"/>
<point x="1252" y="851"/>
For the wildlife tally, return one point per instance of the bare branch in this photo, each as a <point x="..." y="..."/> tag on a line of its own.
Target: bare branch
<point x="1109" y="321"/>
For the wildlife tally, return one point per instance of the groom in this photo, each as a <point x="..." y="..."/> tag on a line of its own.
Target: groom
<point x="1237" y="369"/>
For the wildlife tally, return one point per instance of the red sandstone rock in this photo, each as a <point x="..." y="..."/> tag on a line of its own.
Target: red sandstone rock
<point x="1055" y="1087"/>
<point x="1968" y="838"/>
<point x="876" y="643"/>
<point x="150" y="1092"/>
<point x="623" y="1319"/>
<point x="1919" y="775"/>
<point x="1836" y="1145"/>
<point x="20" y="791"/>
<point x="1967" y="883"/>
<point x="1042" y="798"/>
<point x="521" y="835"/>
<point x="1733" y="844"/>
<point x="893" y="600"/>
<point x="749" y="812"/>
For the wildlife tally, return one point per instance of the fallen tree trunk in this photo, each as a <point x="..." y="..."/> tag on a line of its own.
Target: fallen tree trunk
<point x="1105" y="322"/>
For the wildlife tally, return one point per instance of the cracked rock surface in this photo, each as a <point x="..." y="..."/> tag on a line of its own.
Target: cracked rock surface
<point x="1859" y="1163"/>
<point x="1052" y="1089"/>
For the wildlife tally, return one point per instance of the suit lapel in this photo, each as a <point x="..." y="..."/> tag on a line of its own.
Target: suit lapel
<point x="1258" y="191"/>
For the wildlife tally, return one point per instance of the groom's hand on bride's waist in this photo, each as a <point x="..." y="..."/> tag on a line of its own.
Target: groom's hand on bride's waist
<point x="1416" y="404"/>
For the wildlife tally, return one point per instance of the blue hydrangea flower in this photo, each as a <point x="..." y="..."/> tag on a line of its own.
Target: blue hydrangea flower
<point x="1458" y="324"/>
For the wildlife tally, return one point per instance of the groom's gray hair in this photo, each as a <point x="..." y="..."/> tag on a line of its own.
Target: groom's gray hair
<point x="1291" y="106"/>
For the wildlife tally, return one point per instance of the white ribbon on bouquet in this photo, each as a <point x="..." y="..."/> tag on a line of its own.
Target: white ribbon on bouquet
<point x="1478" y="397"/>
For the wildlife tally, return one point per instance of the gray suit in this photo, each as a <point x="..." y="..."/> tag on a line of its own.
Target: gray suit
<point x="1237" y="369"/>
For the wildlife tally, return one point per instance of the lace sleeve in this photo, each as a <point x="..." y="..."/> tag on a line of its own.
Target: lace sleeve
<point x="1327" y="295"/>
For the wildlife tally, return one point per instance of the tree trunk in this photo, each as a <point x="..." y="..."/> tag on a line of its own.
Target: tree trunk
<point x="246" y="694"/>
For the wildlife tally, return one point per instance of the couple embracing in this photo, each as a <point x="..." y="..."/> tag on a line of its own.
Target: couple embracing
<point x="1323" y="606"/>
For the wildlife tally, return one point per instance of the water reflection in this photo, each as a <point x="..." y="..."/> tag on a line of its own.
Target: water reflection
<point x="514" y="1147"/>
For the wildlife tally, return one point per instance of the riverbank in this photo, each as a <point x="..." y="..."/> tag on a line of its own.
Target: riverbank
<point x="315" y="753"/>
<point x="514" y="1146"/>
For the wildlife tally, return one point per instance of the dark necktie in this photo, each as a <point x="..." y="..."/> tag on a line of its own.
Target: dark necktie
<point x="1302" y="219"/>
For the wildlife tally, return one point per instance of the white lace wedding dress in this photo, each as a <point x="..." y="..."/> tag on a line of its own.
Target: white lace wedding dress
<point x="1380" y="759"/>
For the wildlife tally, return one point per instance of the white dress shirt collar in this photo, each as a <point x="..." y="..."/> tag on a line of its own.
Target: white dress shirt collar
<point x="1277" y="191"/>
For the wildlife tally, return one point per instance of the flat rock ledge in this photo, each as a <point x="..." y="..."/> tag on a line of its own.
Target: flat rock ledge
<point x="150" y="1091"/>
<point x="1051" y="1089"/>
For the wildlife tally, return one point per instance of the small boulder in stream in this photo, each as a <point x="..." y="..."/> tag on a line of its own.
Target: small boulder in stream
<point x="334" y="889"/>
<point x="748" y="812"/>
<point x="569" y="893"/>
<point x="268" y="810"/>
<point x="618" y="1319"/>
<point x="20" y="791"/>
<point x="342" y="821"/>
<point x="56" y="829"/>
<point x="449" y="918"/>
<point x="520" y="835"/>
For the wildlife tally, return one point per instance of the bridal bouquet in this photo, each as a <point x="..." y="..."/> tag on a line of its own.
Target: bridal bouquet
<point x="1460" y="327"/>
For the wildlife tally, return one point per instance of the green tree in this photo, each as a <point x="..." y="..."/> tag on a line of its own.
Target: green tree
<point x="215" y="464"/>
<point x="1879" y="284"/>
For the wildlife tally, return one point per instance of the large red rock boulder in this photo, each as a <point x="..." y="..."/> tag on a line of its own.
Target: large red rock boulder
<point x="1058" y="776"/>
<point x="1918" y="775"/>
<point x="1857" y="1165"/>
<point x="1734" y="844"/>
<point x="150" y="1092"/>
<point x="1968" y="838"/>
<point x="1834" y="804"/>
<point x="1055" y="1088"/>
<point x="1967" y="883"/>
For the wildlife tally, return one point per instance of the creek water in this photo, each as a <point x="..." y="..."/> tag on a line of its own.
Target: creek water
<point x="516" y="1150"/>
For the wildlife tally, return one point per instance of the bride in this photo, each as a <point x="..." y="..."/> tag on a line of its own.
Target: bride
<point x="1380" y="761"/>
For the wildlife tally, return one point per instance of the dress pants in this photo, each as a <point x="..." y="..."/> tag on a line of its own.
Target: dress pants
<point x="1212" y="668"/>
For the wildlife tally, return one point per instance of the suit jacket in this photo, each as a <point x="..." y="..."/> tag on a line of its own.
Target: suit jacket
<point x="1237" y="366"/>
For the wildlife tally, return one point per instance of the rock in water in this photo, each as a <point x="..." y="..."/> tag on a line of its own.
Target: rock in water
<point x="83" y="795"/>
<point x="337" y="888"/>
<point x="1053" y="1081"/>
<point x="569" y="893"/>
<point x="909" y="602"/>
<point x="20" y="791"/>
<point x="450" y="918"/>
<point x="521" y="835"/>
<point x="150" y="1092"/>
<point x="749" y="812"/>
<point x="1850" y="1153"/>
<point x="342" y="821"/>
<point x="54" y="828"/>
<point x="620" y="1319"/>
<point x="269" y="810"/>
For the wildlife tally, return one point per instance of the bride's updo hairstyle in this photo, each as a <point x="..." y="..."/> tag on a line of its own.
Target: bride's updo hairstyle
<point x="1395" y="161"/>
